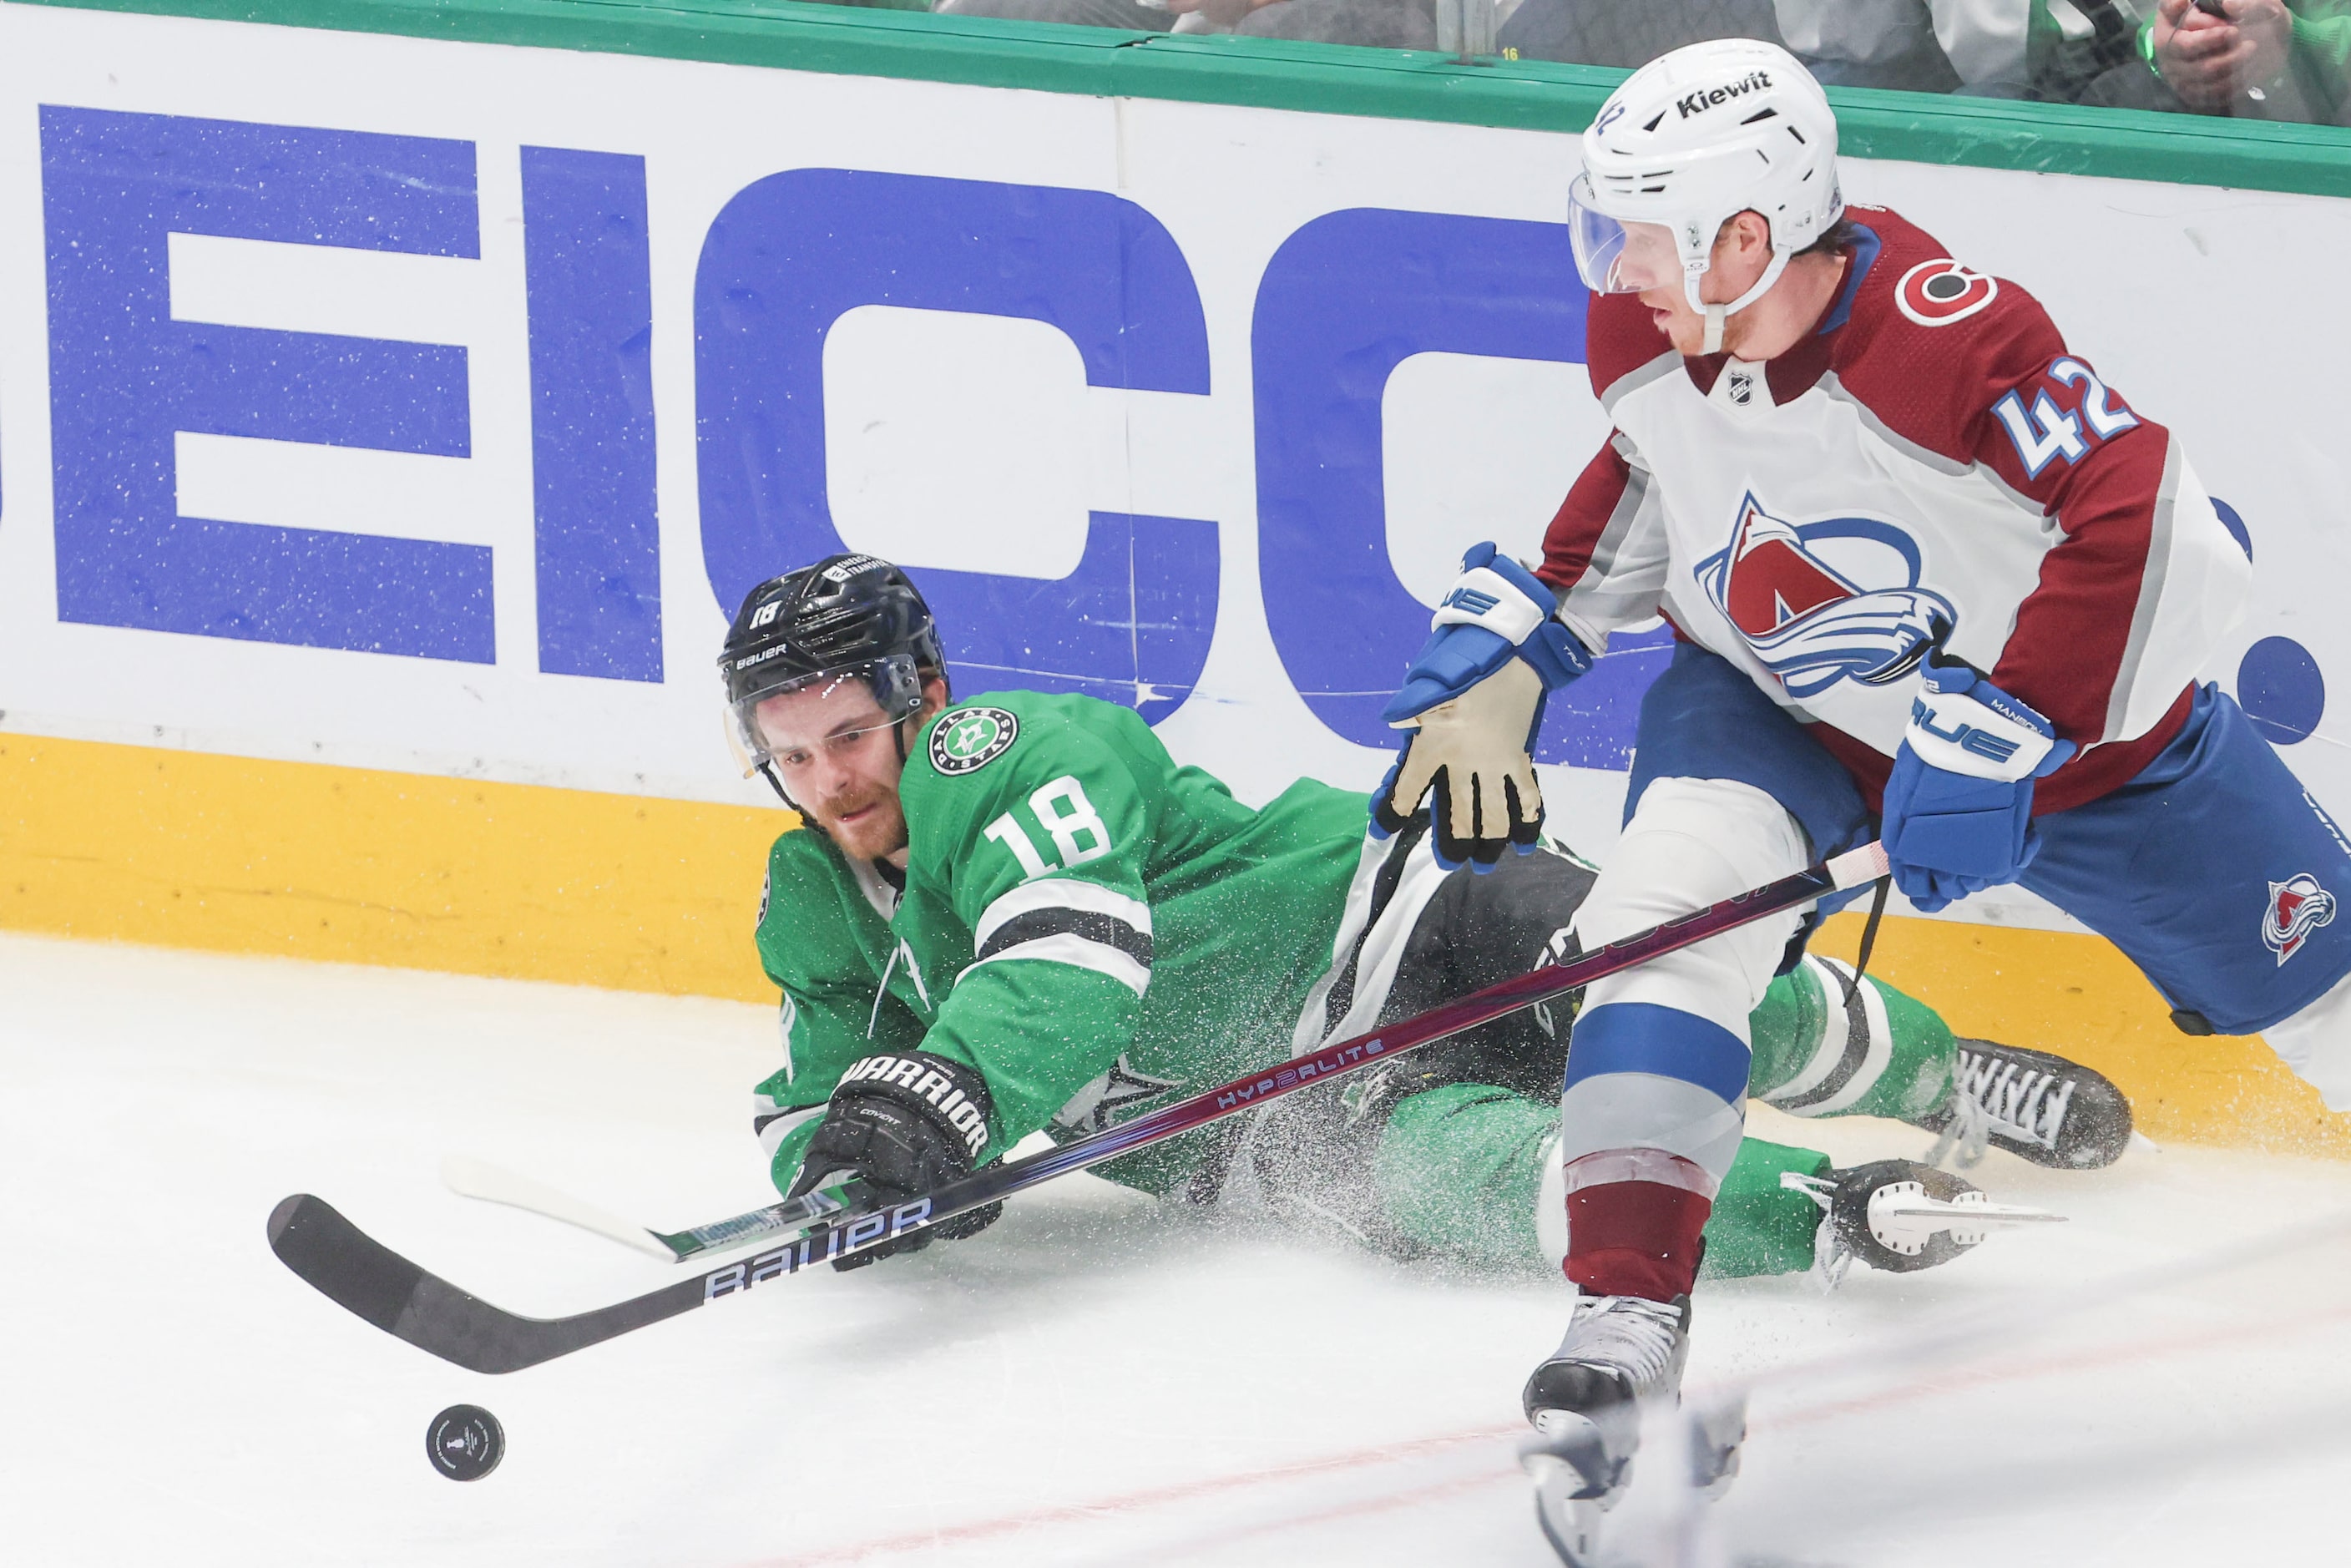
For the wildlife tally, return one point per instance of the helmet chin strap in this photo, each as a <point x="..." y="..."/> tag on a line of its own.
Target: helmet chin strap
<point x="1719" y="316"/>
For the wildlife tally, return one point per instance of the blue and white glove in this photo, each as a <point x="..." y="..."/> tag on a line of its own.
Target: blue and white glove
<point x="1472" y="700"/>
<point x="1958" y="805"/>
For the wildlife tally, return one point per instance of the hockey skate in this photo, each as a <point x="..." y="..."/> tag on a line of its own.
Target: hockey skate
<point x="1900" y="1217"/>
<point x="1584" y="1402"/>
<point x="2042" y="1107"/>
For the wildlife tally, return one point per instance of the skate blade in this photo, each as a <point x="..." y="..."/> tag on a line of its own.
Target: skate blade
<point x="1905" y="1222"/>
<point x="1575" y="1485"/>
<point x="1718" y="1435"/>
<point x="1569" y="1516"/>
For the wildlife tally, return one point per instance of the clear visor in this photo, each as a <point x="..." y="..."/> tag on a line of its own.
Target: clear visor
<point x="885" y="689"/>
<point x="1617" y="257"/>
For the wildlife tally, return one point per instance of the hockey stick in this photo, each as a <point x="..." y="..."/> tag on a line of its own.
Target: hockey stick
<point x="368" y="1278"/>
<point x="470" y="1177"/>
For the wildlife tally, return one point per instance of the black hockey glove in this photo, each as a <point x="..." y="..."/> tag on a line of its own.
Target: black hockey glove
<point x="904" y="1124"/>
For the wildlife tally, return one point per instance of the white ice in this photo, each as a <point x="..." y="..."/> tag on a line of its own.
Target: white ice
<point x="1093" y="1381"/>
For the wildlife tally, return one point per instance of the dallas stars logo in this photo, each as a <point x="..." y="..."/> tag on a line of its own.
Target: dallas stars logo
<point x="971" y="737"/>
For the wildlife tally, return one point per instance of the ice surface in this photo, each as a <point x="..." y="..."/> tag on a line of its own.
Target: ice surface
<point x="1093" y="1381"/>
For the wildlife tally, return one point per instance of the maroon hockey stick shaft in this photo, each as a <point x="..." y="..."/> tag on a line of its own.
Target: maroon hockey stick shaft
<point x="1854" y="868"/>
<point x="369" y="1278"/>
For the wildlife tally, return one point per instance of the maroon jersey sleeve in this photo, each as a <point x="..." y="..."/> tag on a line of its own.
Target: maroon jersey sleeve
<point x="2059" y="438"/>
<point x="1576" y="528"/>
<point x="1605" y="550"/>
<point x="1993" y="388"/>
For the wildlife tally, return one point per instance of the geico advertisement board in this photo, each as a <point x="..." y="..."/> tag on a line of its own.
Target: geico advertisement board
<point x="426" y="406"/>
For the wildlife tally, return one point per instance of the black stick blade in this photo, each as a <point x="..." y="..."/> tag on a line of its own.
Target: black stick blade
<point x="368" y="1279"/>
<point x="341" y="1262"/>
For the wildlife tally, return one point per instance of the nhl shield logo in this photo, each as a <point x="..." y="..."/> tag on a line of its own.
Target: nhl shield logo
<point x="1820" y="602"/>
<point x="2298" y="907"/>
<point x="971" y="737"/>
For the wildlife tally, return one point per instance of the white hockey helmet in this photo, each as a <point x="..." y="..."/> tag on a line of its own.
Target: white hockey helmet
<point x="1690" y="140"/>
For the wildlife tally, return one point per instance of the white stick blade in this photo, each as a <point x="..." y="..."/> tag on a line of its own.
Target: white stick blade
<point x="470" y="1177"/>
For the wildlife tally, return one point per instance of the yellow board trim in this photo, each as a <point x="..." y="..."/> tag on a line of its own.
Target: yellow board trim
<point x="188" y="850"/>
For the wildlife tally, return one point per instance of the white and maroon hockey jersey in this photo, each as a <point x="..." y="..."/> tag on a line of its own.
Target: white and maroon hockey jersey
<point x="1931" y="454"/>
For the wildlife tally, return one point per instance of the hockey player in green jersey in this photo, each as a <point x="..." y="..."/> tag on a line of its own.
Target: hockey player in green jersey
<point x="1015" y="914"/>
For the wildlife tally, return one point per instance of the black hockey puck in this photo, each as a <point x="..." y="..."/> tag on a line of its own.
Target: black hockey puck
<point x="465" y="1442"/>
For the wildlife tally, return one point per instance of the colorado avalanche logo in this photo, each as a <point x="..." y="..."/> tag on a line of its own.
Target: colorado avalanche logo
<point x="1815" y="602"/>
<point x="2298" y="907"/>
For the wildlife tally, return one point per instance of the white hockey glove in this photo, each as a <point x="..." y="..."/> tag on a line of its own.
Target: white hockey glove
<point x="1473" y="699"/>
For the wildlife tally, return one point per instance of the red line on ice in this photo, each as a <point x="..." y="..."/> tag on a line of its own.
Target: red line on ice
<point x="2055" y="1363"/>
<point x="1189" y="1551"/>
<point x="1156" y="1497"/>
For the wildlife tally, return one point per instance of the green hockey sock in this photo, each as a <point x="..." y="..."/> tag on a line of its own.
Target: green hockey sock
<point x="1759" y="1226"/>
<point x="1816" y="1054"/>
<point x="1460" y="1172"/>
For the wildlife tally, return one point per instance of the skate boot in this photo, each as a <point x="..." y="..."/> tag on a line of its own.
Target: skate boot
<point x="1900" y="1217"/>
<point x="2051" y="1111"/>
<point x="1584" y="1403"/>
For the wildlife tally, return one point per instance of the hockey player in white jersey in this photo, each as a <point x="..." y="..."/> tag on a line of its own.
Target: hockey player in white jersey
<point x="1930" y="578"/>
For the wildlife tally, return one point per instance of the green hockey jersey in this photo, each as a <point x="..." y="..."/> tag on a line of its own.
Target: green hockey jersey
<point x="1090" y="926"/>
<point x="1098" y="931"/>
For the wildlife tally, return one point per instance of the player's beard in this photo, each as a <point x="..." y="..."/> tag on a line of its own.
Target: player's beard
<point x="880" y="833"/>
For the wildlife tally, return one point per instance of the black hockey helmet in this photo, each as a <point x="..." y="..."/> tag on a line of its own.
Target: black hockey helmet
<point x="848" y="617"/>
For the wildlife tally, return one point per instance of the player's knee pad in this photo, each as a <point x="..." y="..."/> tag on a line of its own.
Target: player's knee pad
<point x="1692" y="843"/>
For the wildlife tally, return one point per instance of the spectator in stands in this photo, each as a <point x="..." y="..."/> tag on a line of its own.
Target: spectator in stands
<point x="2267" y="60"/>
<point x="1924" y="46"/>
<point x="1372" y="24"/>
<point x="1628" y="34"/>
<point x="2255" y="59"/>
